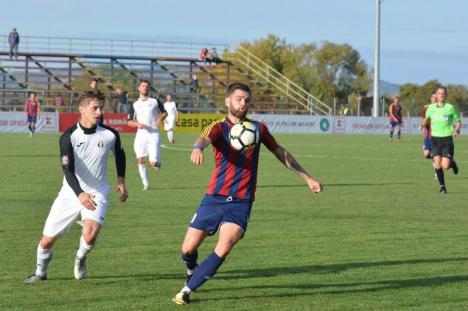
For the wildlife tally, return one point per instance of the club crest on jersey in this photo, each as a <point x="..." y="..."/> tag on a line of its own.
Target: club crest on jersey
<point x="65" y="160"/>
<point x="100" y="144"/>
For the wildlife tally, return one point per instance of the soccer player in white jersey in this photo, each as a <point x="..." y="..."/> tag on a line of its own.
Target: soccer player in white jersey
<point x="172" y="118"/>
<point x="84" y="150"/>
<point x="146" y="114"/>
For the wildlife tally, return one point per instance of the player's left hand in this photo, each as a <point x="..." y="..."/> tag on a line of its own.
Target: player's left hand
<point x="157" y="123"/>
<point x="123" y="192"/>
<point x="314" y="185"/>
<point x="196" y="157"/>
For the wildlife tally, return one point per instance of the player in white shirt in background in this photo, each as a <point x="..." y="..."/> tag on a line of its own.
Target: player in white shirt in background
<point x="172" y="118"/>
<point x="146" y="114"/>
<point x="84" y="150"/>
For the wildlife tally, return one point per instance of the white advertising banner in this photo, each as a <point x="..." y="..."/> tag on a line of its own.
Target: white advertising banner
<point x="367" y="125"/>
<point x="295" y="123"/>
<point x="289" y="124"/>
<point x="16" y="122"/>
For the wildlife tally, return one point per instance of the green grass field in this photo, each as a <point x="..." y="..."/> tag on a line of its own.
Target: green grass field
<point x="380" y="237"/>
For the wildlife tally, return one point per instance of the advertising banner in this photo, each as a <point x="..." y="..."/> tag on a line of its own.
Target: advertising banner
<point x="16" y="122"/>
<point x="296" y="123"/>
<point x="196" y="122"/>
<point x="117" y="121"/>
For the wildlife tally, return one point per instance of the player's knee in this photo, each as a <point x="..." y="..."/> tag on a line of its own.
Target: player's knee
<point x="223" y="249"/>
<point x="141" y="161"/>
<point x="47" y="242"/>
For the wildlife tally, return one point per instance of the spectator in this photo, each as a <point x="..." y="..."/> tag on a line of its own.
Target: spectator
<point x="122" y="104"/>
<point x="58" y="101"/>
<point x="213" y="56"/>
<point x="194" y="88"/>
<point x="13" y="40"/>
<point x="93" y="88"/>
<point x="203" y="55"/>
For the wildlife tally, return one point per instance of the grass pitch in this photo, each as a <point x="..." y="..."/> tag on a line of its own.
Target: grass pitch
<point x="380" y="237"/>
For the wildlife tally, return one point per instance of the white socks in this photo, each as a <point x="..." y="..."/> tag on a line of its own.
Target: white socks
<point x="44" y="256"/>
<point x="170" y="136"/>
<point x="142" y="171"/>
<point x="84" y="248"/>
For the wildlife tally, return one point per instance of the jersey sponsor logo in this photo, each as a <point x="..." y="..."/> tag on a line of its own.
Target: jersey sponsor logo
<point x="64" y="160"/>
<point x="100" y="144"/>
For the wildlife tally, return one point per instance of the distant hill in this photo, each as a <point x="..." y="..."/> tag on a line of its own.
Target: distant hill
<point x="386" y="88"/>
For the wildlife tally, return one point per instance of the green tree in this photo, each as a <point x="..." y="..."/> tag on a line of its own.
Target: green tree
<point x="328" y="72"/>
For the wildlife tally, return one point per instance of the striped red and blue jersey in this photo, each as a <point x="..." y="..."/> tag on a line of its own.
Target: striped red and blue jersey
<point x="427" y="128"/>
<point x="235" y="172"/>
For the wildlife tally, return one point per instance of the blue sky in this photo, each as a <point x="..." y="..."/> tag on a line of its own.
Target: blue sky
<point x="421" y="39"/>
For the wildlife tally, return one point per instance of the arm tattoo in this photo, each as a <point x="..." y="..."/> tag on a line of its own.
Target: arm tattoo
<point x="292" y="164"/>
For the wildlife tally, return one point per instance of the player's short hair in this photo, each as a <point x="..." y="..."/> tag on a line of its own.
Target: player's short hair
<point x="32" y="92"/>
<point x="88" y="96"/>
<point x="144" y="81"/>
<point x="95" y="80"/>
<point x="237" y="86"/>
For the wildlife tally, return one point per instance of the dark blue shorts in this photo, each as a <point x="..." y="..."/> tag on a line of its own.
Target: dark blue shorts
<point x="31" y="119"/>
<point x="395" y="123"/>
<point x="214" y="210"/>
<point x="427" y="144"/>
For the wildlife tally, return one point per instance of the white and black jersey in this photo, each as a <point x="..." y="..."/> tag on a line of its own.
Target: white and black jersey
<point x="146" y="112"/>
<point x="84" y="153"/>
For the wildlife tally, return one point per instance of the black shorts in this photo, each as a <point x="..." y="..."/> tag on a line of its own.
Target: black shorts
<point x="442" y="147"/>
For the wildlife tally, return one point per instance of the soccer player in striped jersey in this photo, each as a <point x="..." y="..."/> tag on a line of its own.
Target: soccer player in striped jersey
<point x="443" y="116"/>
<point x="395" y="117"/>
<point x="230" y="194"/>
<point x="84" y="150"/>
<point x="32" y="109"/>
<point x="427" y="129"/>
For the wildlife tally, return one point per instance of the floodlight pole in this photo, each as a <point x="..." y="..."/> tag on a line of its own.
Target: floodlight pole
<point x="377" y="60"/>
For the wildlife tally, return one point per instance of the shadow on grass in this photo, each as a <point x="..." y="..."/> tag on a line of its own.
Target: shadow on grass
<point x="337" y="288"/>
<point x="274" y="271"/>
<point x="332" y="268"/>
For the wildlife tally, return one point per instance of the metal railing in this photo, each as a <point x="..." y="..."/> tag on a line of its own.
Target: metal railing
<point x="280" y="82"/>
<point x="111" y="47"/>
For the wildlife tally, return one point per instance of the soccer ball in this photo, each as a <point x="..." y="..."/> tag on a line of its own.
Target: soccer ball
<point x="243" y="136"/>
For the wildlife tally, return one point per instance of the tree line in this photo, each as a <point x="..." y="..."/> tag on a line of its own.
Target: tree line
<point x="336" y="73"/>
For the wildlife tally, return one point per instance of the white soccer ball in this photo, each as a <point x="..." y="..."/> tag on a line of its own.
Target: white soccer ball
<point x="243" y="136"/>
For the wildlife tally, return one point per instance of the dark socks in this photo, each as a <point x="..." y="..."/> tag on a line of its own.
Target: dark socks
<point x="440" y="176"/>
<point x="190" y="260"/>
<point x="205" y="271"/>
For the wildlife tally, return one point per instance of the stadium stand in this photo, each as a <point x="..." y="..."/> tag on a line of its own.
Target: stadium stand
<point x="54" y="74"/>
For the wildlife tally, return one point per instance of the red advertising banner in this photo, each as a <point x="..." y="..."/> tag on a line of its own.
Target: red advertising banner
<point x="117" y="121"/>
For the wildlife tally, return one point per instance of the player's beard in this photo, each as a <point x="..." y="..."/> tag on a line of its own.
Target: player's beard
<point x="238" y="113"/>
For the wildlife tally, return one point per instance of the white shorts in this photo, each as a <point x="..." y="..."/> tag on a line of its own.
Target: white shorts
<point x="66" y="210"/>
<point x="147" y="145"/>
<point x="169" y="123"/>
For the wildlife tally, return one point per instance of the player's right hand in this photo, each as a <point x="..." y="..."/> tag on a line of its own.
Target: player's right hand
<point x="197" y="157"/>
<point x="87" y="201"/>
<point x="314" y="185"/>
